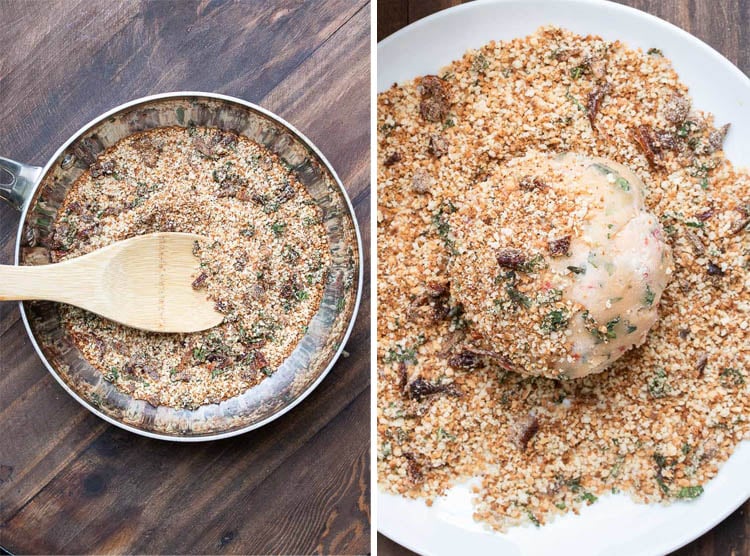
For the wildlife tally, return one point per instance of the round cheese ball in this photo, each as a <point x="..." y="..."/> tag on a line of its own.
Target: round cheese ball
<point x="558" y="264"/>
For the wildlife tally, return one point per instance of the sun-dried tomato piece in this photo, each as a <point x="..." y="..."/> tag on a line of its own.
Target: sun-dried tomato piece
<point x="594" y="102"/>
<point x="435" y="98"/>
<point x="510" y="257"/>
<point x="419" y="389"/>
<point x="392" y="159"/>
<point x="559" y="247"/>
<point x="200" y="281"/>
<point x="466" y="360"/>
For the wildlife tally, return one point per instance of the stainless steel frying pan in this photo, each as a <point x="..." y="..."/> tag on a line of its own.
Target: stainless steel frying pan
<point x="38" y="194"/>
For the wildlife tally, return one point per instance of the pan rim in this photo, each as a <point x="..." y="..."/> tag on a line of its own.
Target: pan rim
<point x="360" y="264"/>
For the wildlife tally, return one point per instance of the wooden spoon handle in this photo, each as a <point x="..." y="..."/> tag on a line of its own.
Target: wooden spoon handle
<point x="42" y="282"/>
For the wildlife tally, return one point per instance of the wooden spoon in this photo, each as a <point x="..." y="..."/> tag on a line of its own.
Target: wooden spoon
<point x="144" y="282"/>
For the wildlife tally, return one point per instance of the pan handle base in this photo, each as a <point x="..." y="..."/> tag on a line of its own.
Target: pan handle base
<point x="17" y="182"/>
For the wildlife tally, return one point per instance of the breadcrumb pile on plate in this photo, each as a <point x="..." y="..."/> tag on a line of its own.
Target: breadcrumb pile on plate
<point x="658" y="423"/>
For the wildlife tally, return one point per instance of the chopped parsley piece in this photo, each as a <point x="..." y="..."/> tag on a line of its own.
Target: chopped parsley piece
<point x="730" y="377"/>
<point x="577" y="72"/>
<point x="654" y="52"/>
<point x="575" y="101"/>
<point x="199" y="354"/>
<point x="577" y="269"/>
<point x="442" y="433"/>
<point x="694" y="224"/>
<point x="386" y="450"/>
<point x="555" y="320"/>
<point x="606" y="170"/>
<point x="649" y="296"/>
<point x="401" y="354"/>
<point x="440" y="221"/>
<point x="550" y="296"/>
<point x="657" y="384"/>
<point x="589" y="498"/>
<point x="574" y="484"/>
<point x="611" y="328"/>
<point x="533" y="518"/>
<point x="278" y="228"/>
<point x="661" y="464"/>
<point x="112" y="375"/>
<point x="517" y="297"/>
<point x="623" y="184"/>
<point x="537" y="262"/>
<point x="218" y="372"/>
<point x="690" y="493"/>
<point x="480" y="63"/>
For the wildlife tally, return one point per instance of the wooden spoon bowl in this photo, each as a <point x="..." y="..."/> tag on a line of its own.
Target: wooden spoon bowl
<point x="144" y="282"/>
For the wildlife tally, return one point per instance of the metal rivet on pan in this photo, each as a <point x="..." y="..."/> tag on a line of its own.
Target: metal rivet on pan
<point x="67" y="161"/>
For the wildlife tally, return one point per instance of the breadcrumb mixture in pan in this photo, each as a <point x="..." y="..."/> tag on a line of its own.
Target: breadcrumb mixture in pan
<point x="659" y="421"/>
<point x="264" y="263"/>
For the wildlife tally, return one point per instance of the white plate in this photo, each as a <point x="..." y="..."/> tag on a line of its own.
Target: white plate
<point x="614" y="525"/>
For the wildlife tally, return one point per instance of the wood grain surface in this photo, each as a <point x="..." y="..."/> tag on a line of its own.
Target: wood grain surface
<point x="71" y="483"/>
<point x="725" y="25"/>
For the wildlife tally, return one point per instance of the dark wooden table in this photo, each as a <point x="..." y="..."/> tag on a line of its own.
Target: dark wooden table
<point x="69" y="482"/>
<point x="725" y="25"/>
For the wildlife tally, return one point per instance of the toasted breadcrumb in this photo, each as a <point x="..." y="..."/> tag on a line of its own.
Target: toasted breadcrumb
<point x="264" y="263"/>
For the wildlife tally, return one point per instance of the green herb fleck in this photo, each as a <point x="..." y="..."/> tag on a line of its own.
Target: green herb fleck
<point x="611" y="328"/>
<point x="517" y="297"/>
<point x="440" y="221"/>
<point x="480" y="63"/>
<point x="442" y="433"/>
<point x="533" y="518"/>
<point x="577" y="269"/>
<point x="654" y="52"/>
<point x="386" y="450"/>
<point x="649" y="296"/>
<point x="690" y="493"/>
<point x="199" y="354"/>
<point x="555" y="320"/>
<point x="278" y="227"/>
<point x="575" y="101"/>
<point x="577" y="72"/>
<point x="588" y="498"/>
<point x="685" y="129"/>
<point x="401" y="354"/>
<point x="731" y="377"/>
<point x="657" y="384"/>
<point x="623" y="184"/>
<point x="112" y="375"/>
